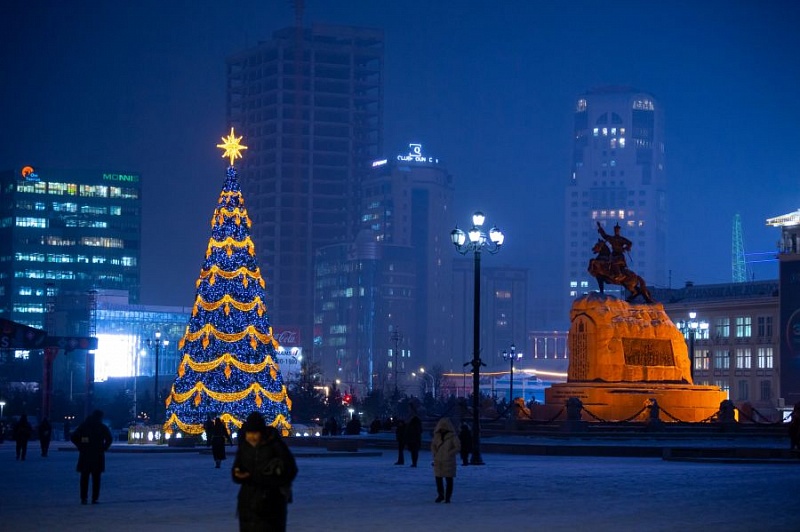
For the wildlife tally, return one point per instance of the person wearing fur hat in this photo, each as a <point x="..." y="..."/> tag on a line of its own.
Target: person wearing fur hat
<point x="265" y="468"/>
<point x="444" y="447"/>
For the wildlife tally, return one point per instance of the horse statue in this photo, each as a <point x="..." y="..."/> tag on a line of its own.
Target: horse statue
<point x="605" y="271"/>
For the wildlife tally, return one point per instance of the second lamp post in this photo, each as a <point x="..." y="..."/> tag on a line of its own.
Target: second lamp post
<point x="158" y="343"/>
<point x="511" y="357"/>
<point x="477" y="241"/>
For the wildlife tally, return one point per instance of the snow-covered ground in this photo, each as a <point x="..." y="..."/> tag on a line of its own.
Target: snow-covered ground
<point x="158" y="491"/>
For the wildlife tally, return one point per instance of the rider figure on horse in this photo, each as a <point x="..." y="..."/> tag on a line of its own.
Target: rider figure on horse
<point x="619" y="245"/>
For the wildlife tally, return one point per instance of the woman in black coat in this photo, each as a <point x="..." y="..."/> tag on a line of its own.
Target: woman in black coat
<point x="265" y="469"/>
<point x="219" y="436"/>
<point x="414" y="439"/>
<point x="92" y="438"/>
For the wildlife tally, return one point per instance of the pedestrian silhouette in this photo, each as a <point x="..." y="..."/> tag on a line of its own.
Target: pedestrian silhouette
<point x="219" y="437"/>
<point x="465" y="439"/>
<point x="22" y="433"/>
<point x="92" y="438"/>
<point x="400" y="435"/>
<point x="45" y="434"/>
<point x="414" y="439"/>
<point x="265" y="469"/>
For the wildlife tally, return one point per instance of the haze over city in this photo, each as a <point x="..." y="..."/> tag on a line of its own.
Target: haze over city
<point x="487" y="88"/>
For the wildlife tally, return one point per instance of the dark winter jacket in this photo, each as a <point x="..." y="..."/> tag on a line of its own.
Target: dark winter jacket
<point x="272" y="469"/>
<point x="414" y="433"/>
<point x="92" y="438"/>
<point x="22" y="429"/>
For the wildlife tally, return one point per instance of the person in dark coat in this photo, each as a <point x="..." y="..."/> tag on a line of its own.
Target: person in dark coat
<point x="265" y="469"/>
<point x="400" y="435"/>
<point x="444" y="448"/>
<point x="92" y="438"/>
<point x="414" y="439"/>
<point x="219" y="437"/>
<point x="465" y="439"/>
<point x="45" y="435"/>
<point x="22" y="433"/>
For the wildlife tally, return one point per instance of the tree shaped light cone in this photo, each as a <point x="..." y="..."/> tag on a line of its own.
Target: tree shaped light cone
<point x="228" y="363"/>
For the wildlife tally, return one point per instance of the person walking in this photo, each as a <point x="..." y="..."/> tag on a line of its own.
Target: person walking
<point x="444" y="447"/>
<point x="400" y="436"/>
<point x="45" y="434"/>
<point x="22" y="433"/>
<point x="92" y="438"/>
<point x="414" y="439"/>
<point x="265" y="468"/>
<point x="219" y="437"/>
<point x="465" y="439"/>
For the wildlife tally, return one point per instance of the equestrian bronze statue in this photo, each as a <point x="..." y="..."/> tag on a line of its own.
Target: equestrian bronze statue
<point x="610" y="267"/>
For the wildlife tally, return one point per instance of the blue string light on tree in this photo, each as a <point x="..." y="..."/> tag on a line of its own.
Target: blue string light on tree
<point x="228" y="363"/>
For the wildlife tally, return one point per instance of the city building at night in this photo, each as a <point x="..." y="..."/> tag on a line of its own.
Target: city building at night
<point x="309" y="102"/>
<point x="503" y="310"/>
<point x="397" y="276"/>
<point x="732" y="331"/>
<point x="789" y="324"/>
<point x="617" y="178"/>
<point x="68" y="231"/>
<point x="364" y="314"/>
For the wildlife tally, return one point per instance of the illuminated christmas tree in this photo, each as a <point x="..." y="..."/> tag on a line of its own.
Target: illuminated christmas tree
<point x="228" y="354"/>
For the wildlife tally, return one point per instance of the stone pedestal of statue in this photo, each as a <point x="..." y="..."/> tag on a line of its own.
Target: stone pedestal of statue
<point x="622" y="355"/>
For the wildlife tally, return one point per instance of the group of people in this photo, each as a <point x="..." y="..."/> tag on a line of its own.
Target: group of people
<point x="446" y="446"/>
<point x="264" y="467"/>
<point x="23" y="431"/>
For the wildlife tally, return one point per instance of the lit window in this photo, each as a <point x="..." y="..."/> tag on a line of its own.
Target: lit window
<point x="743" y="358"/>
<point x="596" y="131"/>
<point x="722" y="359"/>
<point x="605" y="131"/>
<point x="764" y="358"/>
<point x="743" y="327"/>
<point x="622" y="142"/>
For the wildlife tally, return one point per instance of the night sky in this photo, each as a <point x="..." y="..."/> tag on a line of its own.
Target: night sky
<point x="488" y="87"/>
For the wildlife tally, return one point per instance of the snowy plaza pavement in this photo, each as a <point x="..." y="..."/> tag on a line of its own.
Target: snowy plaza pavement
<point x="157" y="491"/>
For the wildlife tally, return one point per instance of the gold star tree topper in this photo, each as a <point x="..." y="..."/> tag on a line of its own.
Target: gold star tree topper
<point x="232" y="147"/>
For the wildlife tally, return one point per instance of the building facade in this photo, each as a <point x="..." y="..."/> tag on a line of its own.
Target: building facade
<point x="393" y="284"/>
<point x="364" y="314"/>
<point x="617" y="177"/>
<point x="407" y="201"/>
<point x="789" y="324"/>
<point x="66" y="231"/>
<point x="503" y="316"/>
<point x="309" y="104"/>
<point x="736" y="339"/>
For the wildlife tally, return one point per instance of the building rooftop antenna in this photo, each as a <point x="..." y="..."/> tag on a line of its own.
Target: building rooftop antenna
<point x="738" y="264"/>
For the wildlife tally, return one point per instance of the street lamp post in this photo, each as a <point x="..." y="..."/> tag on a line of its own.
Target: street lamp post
<point x="477" y="240"/>
<point x="511" y="357"/>
<point x="2" y="406"/>
<point x="158" y="343"/>
<point x="433" y="381"/>
<point x="690" y="329"/>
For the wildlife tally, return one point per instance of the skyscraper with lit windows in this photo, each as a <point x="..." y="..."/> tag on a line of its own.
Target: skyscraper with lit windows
<point x="66" y="231"/>
<point x="618" y="177"/>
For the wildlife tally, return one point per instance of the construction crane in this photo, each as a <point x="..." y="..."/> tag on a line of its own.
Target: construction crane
<point x="738" y="263"/>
